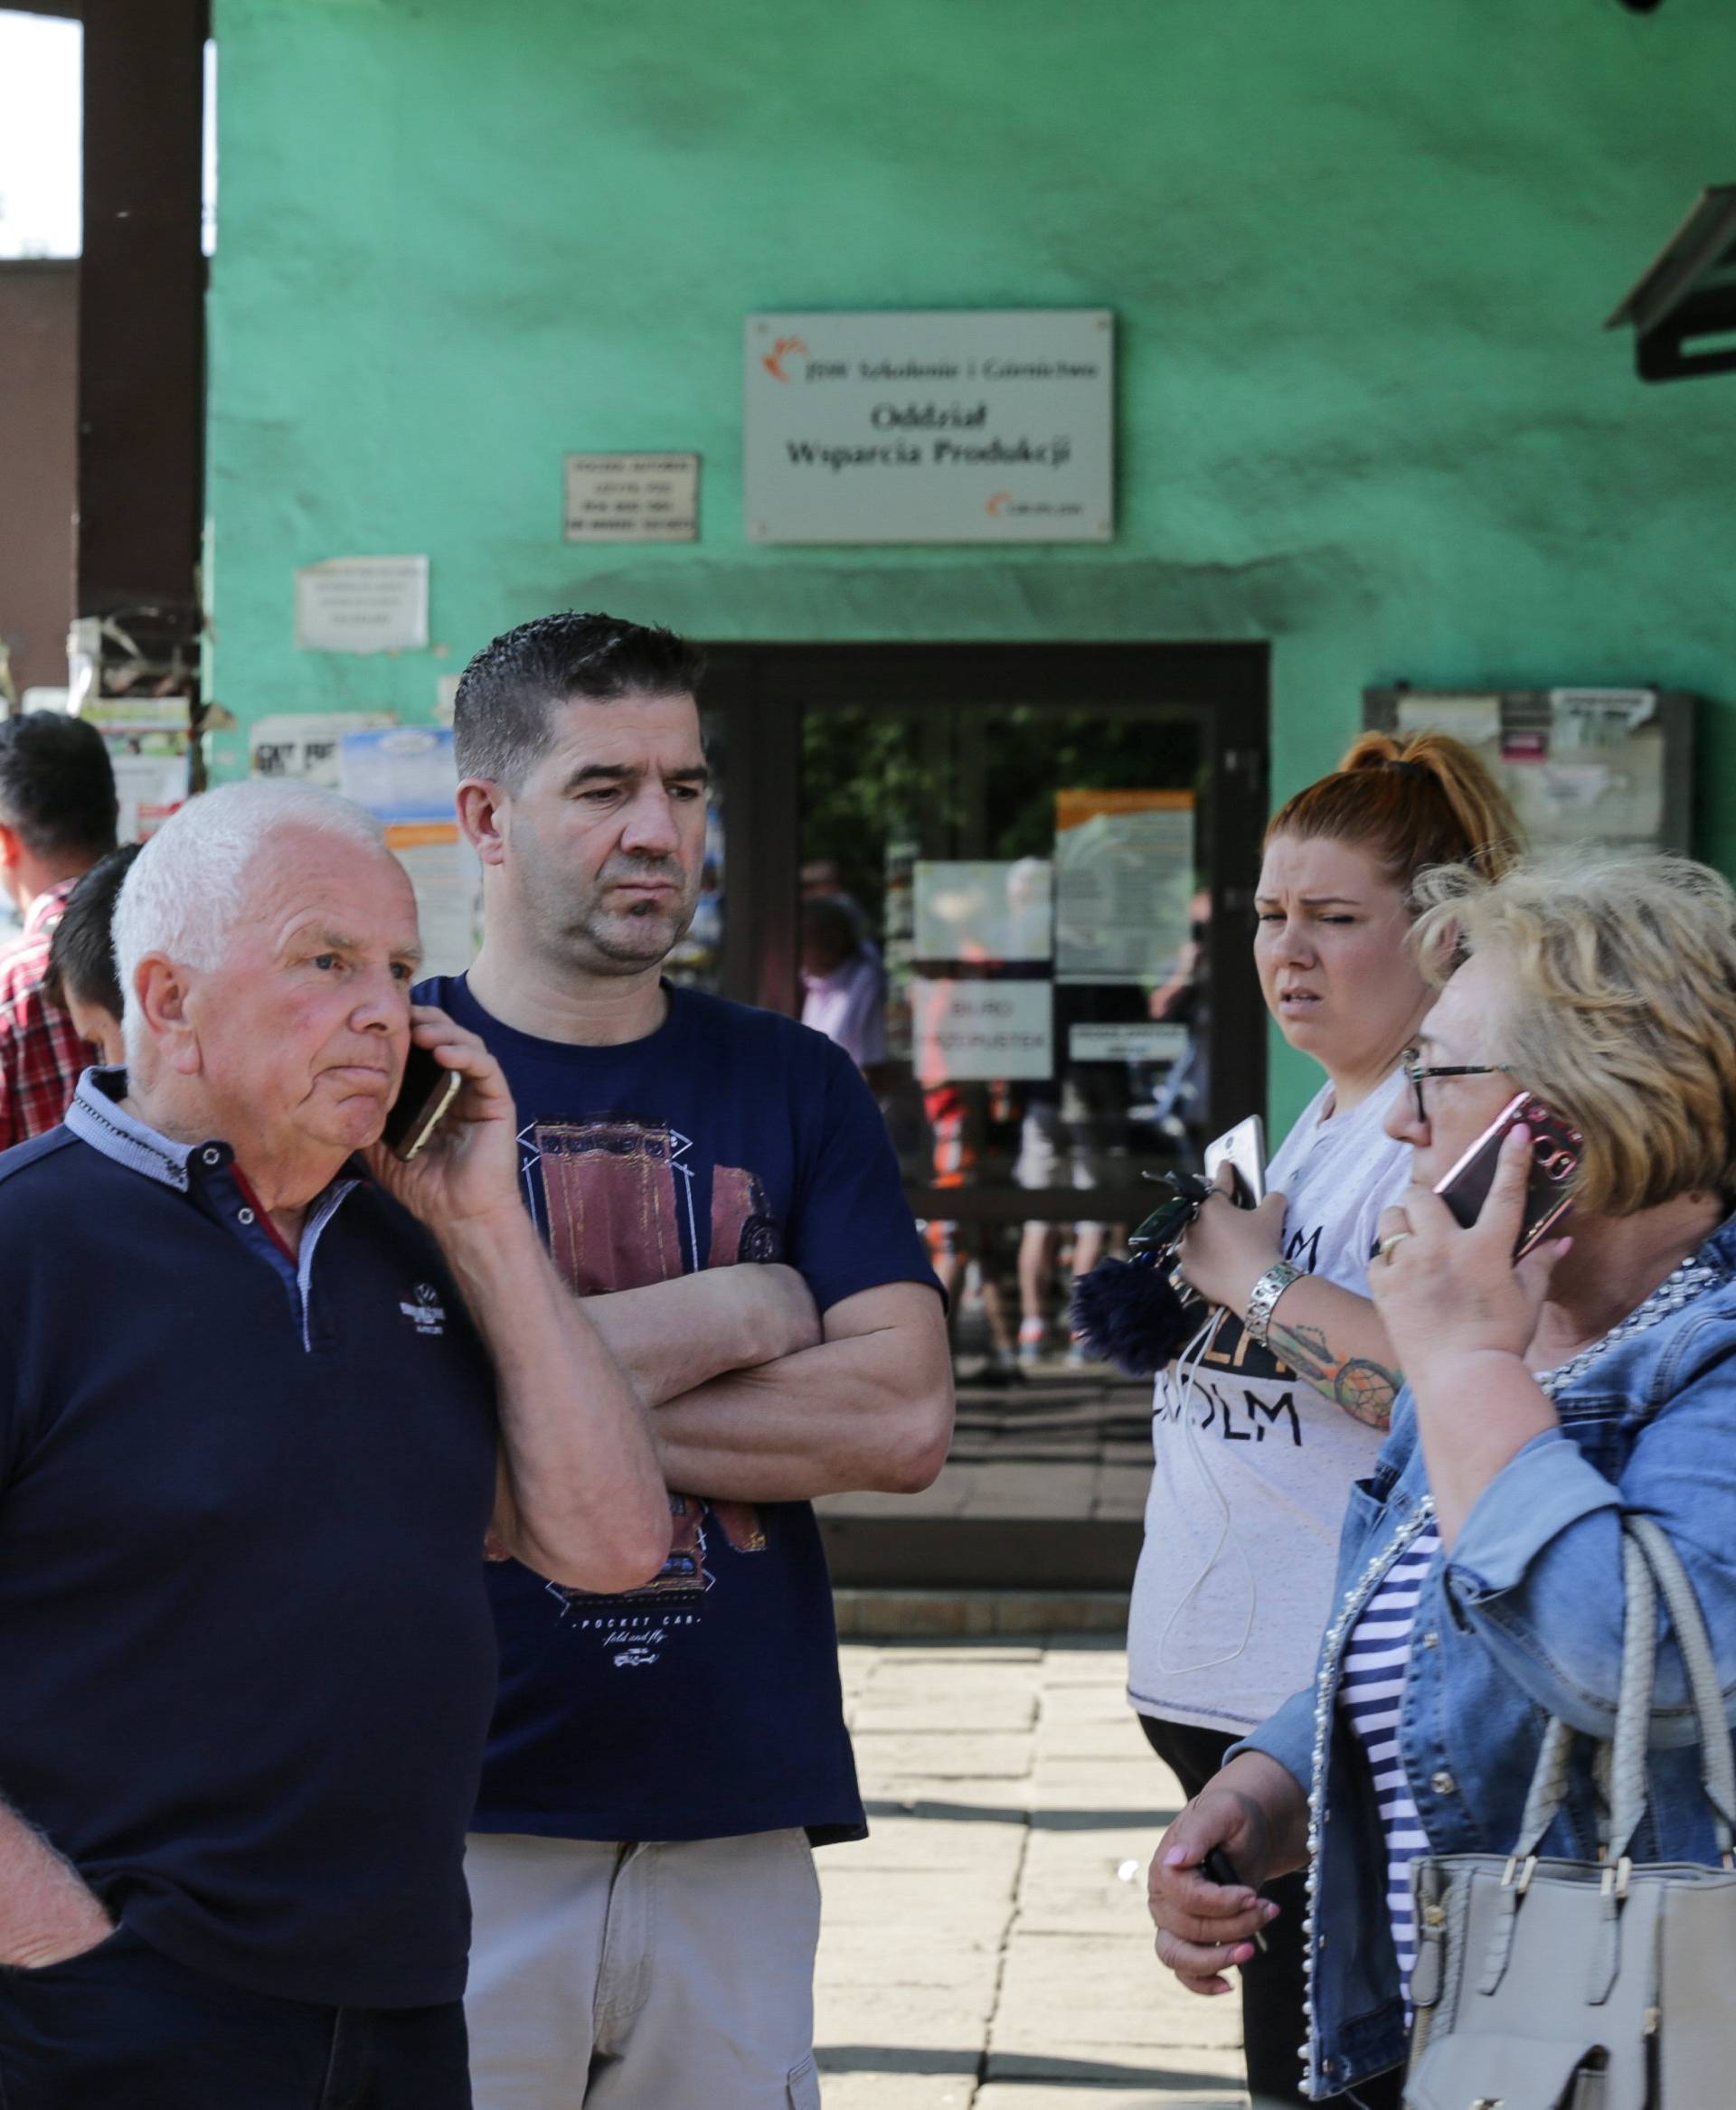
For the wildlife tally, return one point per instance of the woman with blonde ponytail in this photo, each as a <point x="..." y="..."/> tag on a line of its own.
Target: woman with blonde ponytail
<point x="1261" y="1430"/>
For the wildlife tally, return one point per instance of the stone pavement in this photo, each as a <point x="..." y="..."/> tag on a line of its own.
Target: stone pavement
<point x="987" y="1947"/>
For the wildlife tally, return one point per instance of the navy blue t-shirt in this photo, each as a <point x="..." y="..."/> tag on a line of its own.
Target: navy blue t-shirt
<point x="246" y="1660"/>
<point x="707" y="1703"/>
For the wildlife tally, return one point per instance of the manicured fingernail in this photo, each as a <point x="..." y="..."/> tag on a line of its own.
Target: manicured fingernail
<point x="1175" y="1857"/>
<point x="1243" y="1952"/>
<point x="1269" y="1911"/>
<point x="1518" y="1138"/>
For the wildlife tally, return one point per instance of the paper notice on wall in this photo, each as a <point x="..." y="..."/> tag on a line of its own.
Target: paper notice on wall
<point x="363" y="604"/>
<point x="400" y="772"/>
<point x="149" y="788"/>
<point x="983" y="909"/>
<point x="1475" y="718"/>
<point x="1124" y="884"/>
<point x="448" y="882"/>
<point x="632" y="497"/>
<point x="301" y="747"/>
<point x="405" y="776"/>
<point x="962" y="1029"/>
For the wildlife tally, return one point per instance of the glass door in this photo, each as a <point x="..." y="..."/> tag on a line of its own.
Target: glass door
<point x="1017" y="886"/>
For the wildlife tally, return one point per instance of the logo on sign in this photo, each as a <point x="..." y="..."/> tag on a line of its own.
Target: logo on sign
<point x="774" y="359"/>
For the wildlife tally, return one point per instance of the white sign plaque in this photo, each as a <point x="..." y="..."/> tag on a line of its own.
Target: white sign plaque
<point x="363" y="604"/>
<point x="1134" y="1043"/>
<point x="981" y="1029"/>
<point x="940" y="426"/>
<point x="632" y="497"/>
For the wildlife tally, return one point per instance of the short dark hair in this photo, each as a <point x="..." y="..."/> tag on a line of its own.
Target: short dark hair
<point x="57" y="784"/>
<point x="82" y="952"/>
<point x="502" y="718"/>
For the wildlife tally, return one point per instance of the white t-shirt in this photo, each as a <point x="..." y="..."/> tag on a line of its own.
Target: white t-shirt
<point x="1248" y="1434"/>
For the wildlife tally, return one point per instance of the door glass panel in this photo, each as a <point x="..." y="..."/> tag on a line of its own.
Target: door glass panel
<point x="1015" y="896"/>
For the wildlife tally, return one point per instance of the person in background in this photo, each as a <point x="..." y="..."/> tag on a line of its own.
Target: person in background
<point x="83" y="979"/>
<point x="845" y="990"/>
<point x="718" y="1183"/>
<point x="822" y="880"/>
<point x="1480" y="1586"/>
<point x="1259" y="1432"/>
<point x="58" y="813"/>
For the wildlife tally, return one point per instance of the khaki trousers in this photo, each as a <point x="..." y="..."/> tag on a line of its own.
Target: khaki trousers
<point x="643" y="1977"/>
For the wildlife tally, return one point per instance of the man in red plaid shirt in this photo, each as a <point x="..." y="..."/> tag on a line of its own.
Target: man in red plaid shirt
<point x="57" y="817"/>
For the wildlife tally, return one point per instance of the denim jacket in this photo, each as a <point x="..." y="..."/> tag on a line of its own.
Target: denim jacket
<point x="1522" y="1620"/>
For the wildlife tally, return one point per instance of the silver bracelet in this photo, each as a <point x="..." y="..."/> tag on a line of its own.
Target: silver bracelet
<point x="1263" y="1297"/>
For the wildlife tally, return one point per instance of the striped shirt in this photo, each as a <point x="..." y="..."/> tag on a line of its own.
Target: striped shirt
<point x="1369" y="1692"/>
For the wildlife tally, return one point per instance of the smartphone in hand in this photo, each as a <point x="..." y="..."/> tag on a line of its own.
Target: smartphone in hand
<point x="428" y="1090"/>
<point x="1216" y="1868"/>
<point x="1556" y="1148"/>
<point x="1244" y="1149"/>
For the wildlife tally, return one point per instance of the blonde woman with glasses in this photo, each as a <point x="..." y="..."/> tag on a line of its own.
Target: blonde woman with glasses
<point x="1480" y="1584"/>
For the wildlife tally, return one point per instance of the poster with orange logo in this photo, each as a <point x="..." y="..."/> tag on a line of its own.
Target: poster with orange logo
<point x="992" y="425"/>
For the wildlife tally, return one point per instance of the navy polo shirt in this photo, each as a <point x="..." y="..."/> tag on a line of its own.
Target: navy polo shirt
<point x="246" y="1655"/>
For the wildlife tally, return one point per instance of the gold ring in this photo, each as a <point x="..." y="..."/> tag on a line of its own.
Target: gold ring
<point x="1396" y="1239"/>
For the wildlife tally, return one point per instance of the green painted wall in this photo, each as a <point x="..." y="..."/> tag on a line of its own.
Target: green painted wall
<point x="1360" y="252"/>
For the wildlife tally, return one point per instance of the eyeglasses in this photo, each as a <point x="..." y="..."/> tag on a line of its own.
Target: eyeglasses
<point x="1416" y="1072"/>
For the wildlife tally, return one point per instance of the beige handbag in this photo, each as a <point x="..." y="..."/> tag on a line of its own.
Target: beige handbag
<point x="1589" y="1985"/>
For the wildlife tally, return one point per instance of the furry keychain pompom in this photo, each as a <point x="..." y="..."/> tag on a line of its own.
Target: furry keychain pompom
<point x="1132" y="1313"/>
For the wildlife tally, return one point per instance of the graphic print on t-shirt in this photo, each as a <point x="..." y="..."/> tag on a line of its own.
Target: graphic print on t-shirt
<point x="1240" y="1390"/>
<point x="614" y="1197"/>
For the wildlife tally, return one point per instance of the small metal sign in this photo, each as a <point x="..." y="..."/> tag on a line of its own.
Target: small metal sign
<point x="632" y="497"/>
<point x="938" y="426"/>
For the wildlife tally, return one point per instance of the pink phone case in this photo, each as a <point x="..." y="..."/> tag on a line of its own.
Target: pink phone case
<point x="1556" y="1149"/>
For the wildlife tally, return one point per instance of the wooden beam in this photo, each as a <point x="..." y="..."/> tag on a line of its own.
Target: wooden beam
<point x="141" y="326"/>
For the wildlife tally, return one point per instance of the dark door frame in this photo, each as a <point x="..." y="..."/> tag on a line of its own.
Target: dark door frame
<point x="142" y="323"/>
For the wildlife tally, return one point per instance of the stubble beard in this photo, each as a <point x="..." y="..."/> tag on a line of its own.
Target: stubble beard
<point x="600" y="941"/>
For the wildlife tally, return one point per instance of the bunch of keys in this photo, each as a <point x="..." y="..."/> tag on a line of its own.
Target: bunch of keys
<point x="1156" y="1239"/>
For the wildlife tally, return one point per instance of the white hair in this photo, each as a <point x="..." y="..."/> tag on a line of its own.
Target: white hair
<point x="181" y="894"/>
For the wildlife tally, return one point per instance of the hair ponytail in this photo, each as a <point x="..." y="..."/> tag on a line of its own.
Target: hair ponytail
<point x="1414" y="800"/>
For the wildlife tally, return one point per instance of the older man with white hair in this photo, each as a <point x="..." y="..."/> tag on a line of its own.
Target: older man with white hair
<point x="255" y="1422"/>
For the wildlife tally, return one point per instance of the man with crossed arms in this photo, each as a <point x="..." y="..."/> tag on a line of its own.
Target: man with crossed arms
<point x="661" y="1760"/>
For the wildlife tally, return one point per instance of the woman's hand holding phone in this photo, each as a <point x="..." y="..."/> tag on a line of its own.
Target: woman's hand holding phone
<point x="1255" y="1816"/>
<point x="1450" y="1295"/>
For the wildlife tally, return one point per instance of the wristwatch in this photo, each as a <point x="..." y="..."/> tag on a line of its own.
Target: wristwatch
<point x="1262" y="1299"/>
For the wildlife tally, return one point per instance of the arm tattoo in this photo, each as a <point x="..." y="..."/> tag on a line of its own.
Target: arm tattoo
<point x="1363" y="1389"/>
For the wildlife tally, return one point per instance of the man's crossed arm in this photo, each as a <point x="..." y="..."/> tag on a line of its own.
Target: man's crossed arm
<point x="758" y="1398"/>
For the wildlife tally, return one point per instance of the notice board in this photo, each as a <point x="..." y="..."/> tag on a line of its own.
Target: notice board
<point x="1581" y="766"/>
